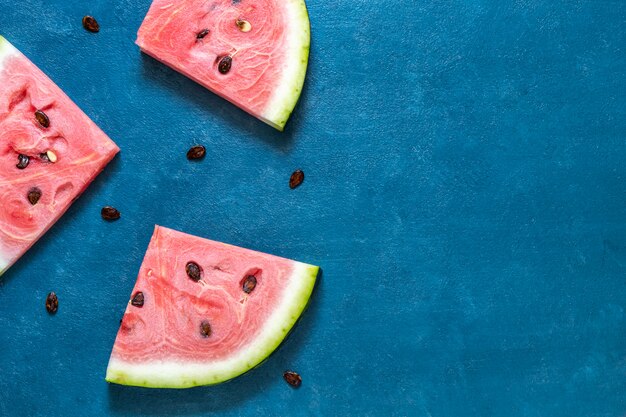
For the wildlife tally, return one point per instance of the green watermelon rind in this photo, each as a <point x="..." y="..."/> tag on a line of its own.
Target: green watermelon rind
<point x="190" y="374"/>
<point x="4" y="46"/>
<point x="287" y="93"/>
<point x="4" y="265"/>
<point x="6" y="49"/>
<point x="286" y="97"/>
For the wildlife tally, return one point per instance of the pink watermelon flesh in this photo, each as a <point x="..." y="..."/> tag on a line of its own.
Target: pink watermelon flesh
<point x="269" y="57"/>
<point x="160" y="344"/>
<point x="81" y="148"/>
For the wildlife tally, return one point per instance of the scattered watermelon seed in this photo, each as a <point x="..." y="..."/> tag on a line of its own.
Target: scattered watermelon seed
<point x="296" y="179"/>
<point x="91" y="24"/>
<point x="42" y="118"/>
<point x="249" y="284"/>
<point x="225" y="63"/>
<point x="205" y="328"/>
<point x="52" y="303"/>
<point x="196" y="152"/>
<point x="292" y="378"/>
<point x="110" y="213"/>
<point x="243" y="25"/>
<point x="44" y="157"/>
<point x="138" y="299"/>
<point x="202" y="33"/>
<point x="22" y="161"/>
<point x="193" y="271"/>
<point x="34" y="194"/>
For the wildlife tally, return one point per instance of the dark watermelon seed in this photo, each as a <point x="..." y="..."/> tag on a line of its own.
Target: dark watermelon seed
<point x="292" y="378"/>
<point x="296" y="179"/>
<point x="90" y="24"/>
<point x="196" y="152"/>
<point x="193" y="271"/>
<point x="34" y="194"/>
<point x="22" y="161"/>
<point x="205" y="328"/>
<point x="225" y="62"/>
<point x="202" y="33"/>
<point x="138" y="299"/>
<point x="52" y="303"/>
<point x="110" y="213"/>
<point x="249" y="284"/>
<point x="42" y="118"/>
<point x="44" y="157"/>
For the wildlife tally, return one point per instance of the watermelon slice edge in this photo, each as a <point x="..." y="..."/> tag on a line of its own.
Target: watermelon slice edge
<point x="165" y="366"/>
<point x="167" y="34"/>
<point x="80" y="147"/>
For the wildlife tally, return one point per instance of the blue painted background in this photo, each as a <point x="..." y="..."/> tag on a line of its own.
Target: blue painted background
<point x="465" y="195"/>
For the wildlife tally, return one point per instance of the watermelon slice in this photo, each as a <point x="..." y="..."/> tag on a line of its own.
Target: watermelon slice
<point x="253" y="53"/>
<point x="203" y="312"/>
<point x="49" y="152"/>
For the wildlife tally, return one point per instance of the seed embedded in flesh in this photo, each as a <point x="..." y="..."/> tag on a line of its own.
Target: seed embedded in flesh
<point x="52" y="303"/>
<point x="196" y="152"/>
<point x="202" y="33"/>
<point x="243" y="25"/>
<point x="42" y="118"/>
<point x="110" y="213"/>
<point x="292" y="378"/>
<point x="44" y="157"/>
<point x="22" y="161"/>
<point x="296" y="179"/>
<point x="225" y="63"/>
<point x="138" y="299"/>
<point x="34" y="194"/>
<point x="205" y="328"/>
<point x="52" y="157"/>
<point x="91" y="24"/>
<point x="194" y="271"/>
<point x="249" y="284"/>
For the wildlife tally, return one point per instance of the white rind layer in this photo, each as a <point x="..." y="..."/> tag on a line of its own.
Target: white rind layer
<point x="184" y="374"/>
<point x="4" y="265"/>
<point x="284" y="99"/>
<point x="6" y="50"/>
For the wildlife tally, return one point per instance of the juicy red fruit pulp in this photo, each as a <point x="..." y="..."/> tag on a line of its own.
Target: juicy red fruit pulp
<point x="200" y="313"/>
<point x="237" y="49"/>
<point x="49" y="152"/>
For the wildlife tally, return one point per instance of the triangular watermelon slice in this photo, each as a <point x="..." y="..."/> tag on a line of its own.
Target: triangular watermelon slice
<point x="253" y="53"/>
<point x="49" y="153"/>
<point x="203" y="312"/>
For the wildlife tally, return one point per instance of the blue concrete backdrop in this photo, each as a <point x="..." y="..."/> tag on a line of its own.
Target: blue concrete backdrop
<point x="465" y="195"/>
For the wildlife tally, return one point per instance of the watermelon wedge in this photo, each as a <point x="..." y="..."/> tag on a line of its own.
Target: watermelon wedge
<point x="253" y="53"/>
<point x="49" y="152"/>
<point x="203" y="312"/>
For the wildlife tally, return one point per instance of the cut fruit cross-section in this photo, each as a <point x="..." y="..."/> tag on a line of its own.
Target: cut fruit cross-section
<point x="203" y="312"/>
<point x="49" y="153"/>
<point x="253" y="53"/>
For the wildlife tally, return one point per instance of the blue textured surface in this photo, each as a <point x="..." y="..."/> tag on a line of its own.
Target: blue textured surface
<point x="465" y="195"/>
